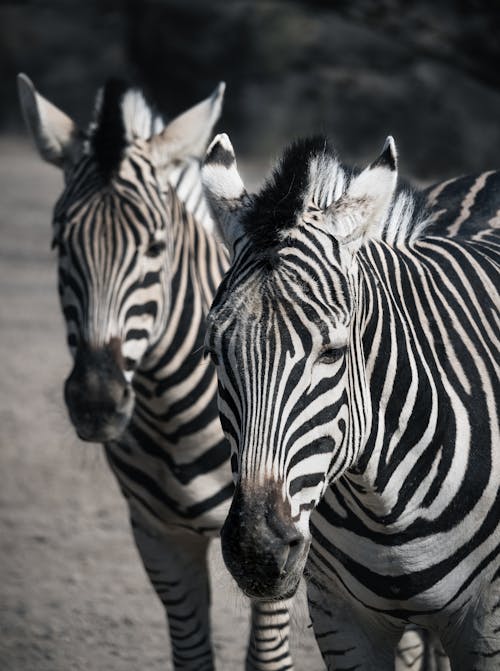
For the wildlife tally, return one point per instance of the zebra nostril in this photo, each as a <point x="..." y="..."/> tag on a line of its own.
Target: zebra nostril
<point x="295" y="546"/>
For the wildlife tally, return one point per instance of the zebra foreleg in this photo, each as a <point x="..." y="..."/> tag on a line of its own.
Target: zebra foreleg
<point x="474" y="642"/>
<point x="420" y="650"/>
<point x="177" y="568"/>
<point x="343" y="643"/>
<point x="269" y="645"/>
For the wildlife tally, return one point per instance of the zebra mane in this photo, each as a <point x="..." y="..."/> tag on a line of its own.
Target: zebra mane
<point x="281" y="200"/>
<point x="121" y="116"/>
<point x="311" y="175"/>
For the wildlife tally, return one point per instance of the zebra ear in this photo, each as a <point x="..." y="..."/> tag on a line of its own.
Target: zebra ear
<point x="188" y="134"/>
<point x="224" y="189"/>
<point x="362" y="211"/>
<point x="54" y="133"/>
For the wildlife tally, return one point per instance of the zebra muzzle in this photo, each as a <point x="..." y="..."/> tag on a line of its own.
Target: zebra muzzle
<point x="99" y="399"/>
<point x="262" y="547"/>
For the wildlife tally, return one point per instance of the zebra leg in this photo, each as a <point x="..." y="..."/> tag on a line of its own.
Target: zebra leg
<point x="420" y="650"/>
<point x="343" y="642"/>
<point x="475" y="644"/>
<point x="177" y="568"/>
<point x="269" y="645"/>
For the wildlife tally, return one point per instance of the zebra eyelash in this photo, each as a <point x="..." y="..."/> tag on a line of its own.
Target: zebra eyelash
<point x="331" y="355"/>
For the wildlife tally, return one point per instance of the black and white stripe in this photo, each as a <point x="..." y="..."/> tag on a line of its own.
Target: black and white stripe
<point x="356" y="337"/>
<point x="466" y="206"/>
<point x="138" y="268"/>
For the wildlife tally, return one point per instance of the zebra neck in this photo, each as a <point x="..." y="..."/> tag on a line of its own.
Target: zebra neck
<point x="400" y="401"/>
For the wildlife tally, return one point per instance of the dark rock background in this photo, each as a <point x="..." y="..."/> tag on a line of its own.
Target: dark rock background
<point x="427" y="72"/>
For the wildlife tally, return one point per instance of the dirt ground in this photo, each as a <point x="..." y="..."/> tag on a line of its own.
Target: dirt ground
<point x="73" y="594"/>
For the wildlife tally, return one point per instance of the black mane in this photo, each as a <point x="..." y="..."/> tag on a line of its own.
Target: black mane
<point x="281" y="199"/>
<point x="308" y="169"/>
<point x="108" y="138"/>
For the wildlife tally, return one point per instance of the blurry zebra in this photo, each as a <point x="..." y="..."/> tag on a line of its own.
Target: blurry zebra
<point x="465" y="206"/>
<point x="138" y="266"/>
<point x="357" y="351"/>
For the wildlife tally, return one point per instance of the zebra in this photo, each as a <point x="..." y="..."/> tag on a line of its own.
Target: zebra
<point x="356" y="338"/>
<point x="138" y="264"/>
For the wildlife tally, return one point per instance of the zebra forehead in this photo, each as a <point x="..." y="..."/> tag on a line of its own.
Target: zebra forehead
<point x="242" y="311"/>
<point x="121" y="116"/>
<point x="288" y="268"/>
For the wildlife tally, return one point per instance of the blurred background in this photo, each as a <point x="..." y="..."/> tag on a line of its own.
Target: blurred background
<point x="73" y="594"/>
<point x="426" y="71"/>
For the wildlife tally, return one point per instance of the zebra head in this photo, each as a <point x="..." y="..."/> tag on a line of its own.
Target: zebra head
<point x="282" y="333"/>
<point x="114" y="226"/>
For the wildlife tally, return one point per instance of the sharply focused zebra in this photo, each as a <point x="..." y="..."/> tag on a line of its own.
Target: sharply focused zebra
<point x="357" y="350"/>
<point x="138" y="267"/>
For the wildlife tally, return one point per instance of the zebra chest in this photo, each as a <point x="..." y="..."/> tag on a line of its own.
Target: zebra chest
<point x="400" y="576"/>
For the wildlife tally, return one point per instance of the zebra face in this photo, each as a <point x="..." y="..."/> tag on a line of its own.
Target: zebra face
<point x="114" y="227"/>
<point x="114" y="260"/>
<point x="283" y="335"/>
<point x="282" y="355"/>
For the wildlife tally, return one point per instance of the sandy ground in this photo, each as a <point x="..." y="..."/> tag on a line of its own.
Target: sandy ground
<point x="73" y="593"/>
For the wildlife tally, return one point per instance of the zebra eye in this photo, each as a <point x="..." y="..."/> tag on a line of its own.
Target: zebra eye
<point x="156" y="248"/>
<point x="331" y="355"/>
